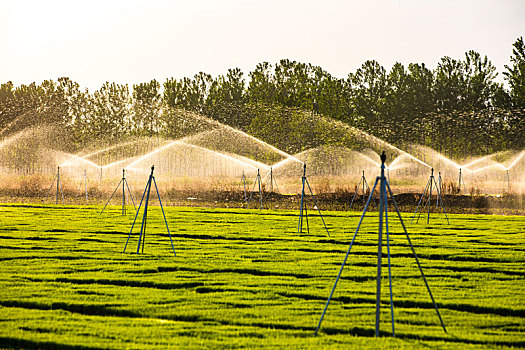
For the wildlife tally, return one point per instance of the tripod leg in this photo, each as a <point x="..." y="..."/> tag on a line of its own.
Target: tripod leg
<point x="123" y="198"/>
<point x="130" y="195"/>
<point x="300" y="222"/>
<point x="134" y="220"/>
<point x="355" y="193"/>
<point x="318" y="209"/>
<point x="52" y="183"/>
<point x="116" y="188"/>
<point x="416" y="258"/>
<point x="260" y="193"/>
<point x="164" y="215"/>
<point x="61" y="191"/>
<point x="306" y="216"/>
<point x="251" y="194"/>
<point x="429" y="198"/>
<point x="245" y="196"/>
<point x="419" y="203"/>
<point x="368" y="187"/>
<point x="379" y="256"/>
<point x="440" y="200"/>
<point x="148" y="187"/>
<point x="389" y="264"/>
<point x="344" y="261"/>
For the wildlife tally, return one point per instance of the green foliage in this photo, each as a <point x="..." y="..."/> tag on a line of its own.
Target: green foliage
<point x="246" y="279"/>
<point x="515" y="74"/>
<point x="458" y="103"/>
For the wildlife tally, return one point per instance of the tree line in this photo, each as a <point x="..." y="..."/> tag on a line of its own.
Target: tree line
<point x="457" y="108"/>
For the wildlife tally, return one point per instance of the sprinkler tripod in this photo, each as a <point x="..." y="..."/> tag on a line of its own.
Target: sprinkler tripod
<point x="257" y="181"/>
<point x="59" y="186"/>
<point x="428" y="188"/>
<point x="244" y="184"/>
<point x="365" y="187"/>
<point x="142" y="235"/>
<point x="507" y="179"/>
<point x="460" y="181"/>
<point x="270" y="180"/>
<point x="383" y="208"/>
<point x="304" y="207"/>
<point x="124" y="183"/>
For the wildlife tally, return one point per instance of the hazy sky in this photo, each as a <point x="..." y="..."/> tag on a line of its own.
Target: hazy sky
<point x="135" y="41"/>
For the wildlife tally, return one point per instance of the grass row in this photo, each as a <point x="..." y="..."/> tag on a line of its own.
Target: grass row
<point x="245" y="278"/>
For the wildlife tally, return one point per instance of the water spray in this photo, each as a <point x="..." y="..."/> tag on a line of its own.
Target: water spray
<point x="383" y="211"/>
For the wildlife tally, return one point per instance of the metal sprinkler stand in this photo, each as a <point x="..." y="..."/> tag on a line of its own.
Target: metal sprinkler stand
<point x="244" y="184"/>
<point x="428" y="189"/>
<point x="460" y="181"/>
<point x="125" y="185"/>
<point x="142" y="235"/>
<point x="507" y="178"/>
<point x="304" y="207"/>
<point x="59" y="187"/>
<point x="270" y="180"/>
<point x="383" y="209"/>
<point x="259" y="182"/>
<point x="365" y="187"/>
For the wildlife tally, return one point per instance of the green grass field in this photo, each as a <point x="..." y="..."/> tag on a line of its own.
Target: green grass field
<point x="245" y="278"/>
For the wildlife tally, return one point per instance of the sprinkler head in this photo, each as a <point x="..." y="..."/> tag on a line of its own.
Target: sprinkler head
<point x="152" y="168"/>
<point x="383" y="157"/>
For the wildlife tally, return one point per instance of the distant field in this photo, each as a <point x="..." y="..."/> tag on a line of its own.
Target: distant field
<point x="245" y="278"/>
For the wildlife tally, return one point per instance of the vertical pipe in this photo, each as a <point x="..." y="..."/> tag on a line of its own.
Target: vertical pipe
<point x="430" y="194"/>
<point x="85" y="184"/>
<point x="260" y="188"/>
<point x="58" y="184"/>
<point x="379" y="251"/>
<point x="344" y="261"/>
<point x="300" y="224"/>
<point x="385" y="200"/>
<point x="123" y="192"/>
<point x="144" y="216"/>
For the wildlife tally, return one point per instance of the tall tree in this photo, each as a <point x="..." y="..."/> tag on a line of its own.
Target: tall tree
<point x="479" y="81"/>
<point x="515" y="74"/>
<point x="146" y="108"/>
<point x="370" y="87"/>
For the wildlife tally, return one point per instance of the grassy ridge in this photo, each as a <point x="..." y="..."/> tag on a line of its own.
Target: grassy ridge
<point x="244" y="278"/>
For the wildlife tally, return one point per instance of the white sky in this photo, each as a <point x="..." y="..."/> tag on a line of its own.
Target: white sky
<point x="135" y="41"/>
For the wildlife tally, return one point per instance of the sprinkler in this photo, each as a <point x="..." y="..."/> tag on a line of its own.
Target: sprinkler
<point x="383" y="212"/>
<point x="142" y="235"/>
<point x="125" y="185"/>
<point x="428" y="189"/>
<point x="304" y="207"/>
